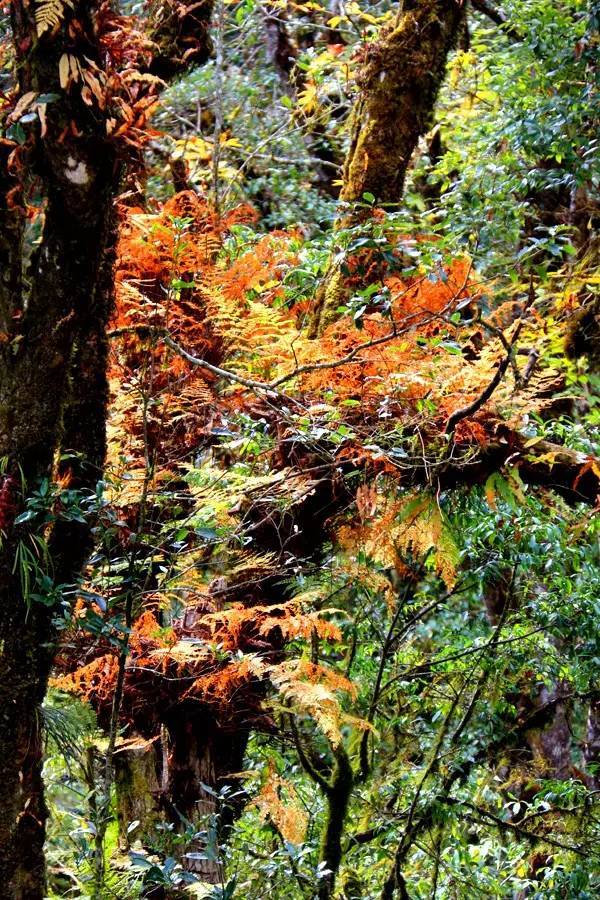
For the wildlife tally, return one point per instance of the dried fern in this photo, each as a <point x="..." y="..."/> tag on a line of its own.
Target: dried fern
<point x="50" y="13"/>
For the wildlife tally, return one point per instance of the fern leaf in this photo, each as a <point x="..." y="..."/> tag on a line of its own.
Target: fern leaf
<point x="279" y="802"/>
<point x="49" y="14"/>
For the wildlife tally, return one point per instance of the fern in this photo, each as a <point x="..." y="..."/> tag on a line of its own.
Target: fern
<point x="423" y="528"/>
<point x="312" y="690"/>
<point x="50" y="13"/>
<point x="396" y="529"/>
<point x="278" y="801"/>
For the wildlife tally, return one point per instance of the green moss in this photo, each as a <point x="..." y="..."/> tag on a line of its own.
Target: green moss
<point x="338" y="798"/>
<point x="400" y="77"/>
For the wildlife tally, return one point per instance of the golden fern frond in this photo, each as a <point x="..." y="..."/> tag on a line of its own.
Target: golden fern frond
<point x="49" y="14"/>
<point x="251" y="562"/>
<point x="417" y="526"/>
<point x="279" y="802"/>
<point x="313" y="690"/>
<point x="423" y="527"/>
<point x="185" y="652"/>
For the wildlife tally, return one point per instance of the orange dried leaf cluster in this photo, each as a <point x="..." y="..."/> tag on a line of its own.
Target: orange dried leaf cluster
<point x="176" y="275"/>
<point x="278" y="802"/>
<point x="212" y="657"/>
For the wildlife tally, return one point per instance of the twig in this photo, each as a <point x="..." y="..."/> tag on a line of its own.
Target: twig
<point x="511" y="826"/>
<point x="502" y="338"/>
<point x="465" y="411"/>
<point x="306" y="763"/>
<point x="499" y="17"/>
<point x="532" y="361"/>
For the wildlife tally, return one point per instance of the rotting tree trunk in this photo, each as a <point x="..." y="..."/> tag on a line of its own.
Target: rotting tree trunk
<point x="399" y="79"/>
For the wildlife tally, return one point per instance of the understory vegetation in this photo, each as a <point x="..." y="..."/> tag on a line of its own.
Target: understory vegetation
<point x="300" y="450"/>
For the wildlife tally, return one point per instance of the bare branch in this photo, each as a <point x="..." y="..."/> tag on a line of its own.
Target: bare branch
<point x="499" y="17"/>
<point x="471" y="408"/>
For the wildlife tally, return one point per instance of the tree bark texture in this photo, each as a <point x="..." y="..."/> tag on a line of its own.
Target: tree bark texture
<point x="181" y="35"/>
<point x="338" y="799"/>
<point x="399" y="78"/>
<point x="54" y="305"/>
<point x="138" y="790"/>
<point x="202" y="754"/>
<point x="55" y="302"/>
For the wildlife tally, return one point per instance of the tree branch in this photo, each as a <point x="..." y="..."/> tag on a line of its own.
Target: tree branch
<point x="306" y="763"/>
<point x="511" y="826"/>
<point x="471" y="408"/>
<point x="499" y="17"/>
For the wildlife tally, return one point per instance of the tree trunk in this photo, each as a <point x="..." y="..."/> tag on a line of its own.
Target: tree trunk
<point x="399" y="80"/>
<point x="181" y="35"/>
<point x="23" y="675"/>
<point x="338" y="798"/>
<point x="52" y="398"/>
<point x="138" y="789"/>
<point x="202" y="755"/>
<point x="592" y="744"/>
<point x="54" y="307"/>
<point x="282" y="53"/>
<point x="548" y="734"/>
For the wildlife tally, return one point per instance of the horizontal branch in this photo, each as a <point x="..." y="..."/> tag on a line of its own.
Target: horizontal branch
<point x="573" y="474"/>
<point x="499" y="17"/>
<point x="269" y="387"/>
<point x="517" y="830"/>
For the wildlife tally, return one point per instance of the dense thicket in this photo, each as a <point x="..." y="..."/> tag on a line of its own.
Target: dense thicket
<point x="299" y="477"/>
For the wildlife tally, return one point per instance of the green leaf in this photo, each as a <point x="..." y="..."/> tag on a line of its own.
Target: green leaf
<point x="26" y="516"/>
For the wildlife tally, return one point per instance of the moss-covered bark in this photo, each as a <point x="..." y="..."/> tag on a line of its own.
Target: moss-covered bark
<point x="52" y="398"/>
<point x="399" y="79"/>
<point x="55" y="301"/>
<point x="138" y="787"/>
<point x="339" y="792"/>
<point x="181" y="35"/>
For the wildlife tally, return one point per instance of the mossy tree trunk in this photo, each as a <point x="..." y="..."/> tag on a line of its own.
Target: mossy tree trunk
<point x="339" y="791"/>
<point x="139" y="784"/>
<point x="52" y="400"/>
<point x="399" y="80"/>
<point x="180" y="31"/>
<point x="55" y="301"/>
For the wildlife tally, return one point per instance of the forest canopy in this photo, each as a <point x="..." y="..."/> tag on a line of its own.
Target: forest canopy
<point x="299" y="449"/>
